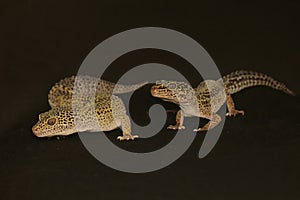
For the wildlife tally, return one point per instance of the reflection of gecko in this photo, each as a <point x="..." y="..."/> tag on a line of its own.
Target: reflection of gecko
<point x="66" y="109"/>
<point x="201" y="102"/>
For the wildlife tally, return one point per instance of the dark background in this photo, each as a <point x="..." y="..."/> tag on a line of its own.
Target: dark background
<point x="257" y="156"/>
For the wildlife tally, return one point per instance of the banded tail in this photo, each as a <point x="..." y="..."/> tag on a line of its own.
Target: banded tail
<point x="238" y="80"/>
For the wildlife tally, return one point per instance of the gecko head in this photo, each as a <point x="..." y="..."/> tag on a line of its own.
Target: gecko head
<point x="172" y="91"/>
<point x="53" y="123"/>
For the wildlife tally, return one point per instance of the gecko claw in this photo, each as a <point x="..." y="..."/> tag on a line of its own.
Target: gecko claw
<point x="127" y="137"/>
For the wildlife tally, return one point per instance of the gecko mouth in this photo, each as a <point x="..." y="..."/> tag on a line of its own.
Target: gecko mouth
<point x="54" y="132"/>
<point x="39" y="133"/>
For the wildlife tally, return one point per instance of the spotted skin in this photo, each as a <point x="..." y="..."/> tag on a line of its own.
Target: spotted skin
<point x="208" y="97"/>
<point x="102" y="112"/>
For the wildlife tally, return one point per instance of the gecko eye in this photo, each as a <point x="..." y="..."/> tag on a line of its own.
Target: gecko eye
<point x="172" y="86"/>
<point x="51" y="121"/>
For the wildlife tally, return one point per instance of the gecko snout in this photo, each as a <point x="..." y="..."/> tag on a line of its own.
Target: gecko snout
<point x="34" y="130"/>
<point x="153" y="91"/>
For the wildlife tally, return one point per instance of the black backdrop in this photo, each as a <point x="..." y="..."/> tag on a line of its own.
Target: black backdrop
<point x="257" y="155"/>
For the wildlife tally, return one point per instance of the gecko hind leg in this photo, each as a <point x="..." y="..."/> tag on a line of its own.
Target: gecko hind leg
<point x="126" y="128"/>
<point x="231" y="108"/>
<point x="214" y="118"/>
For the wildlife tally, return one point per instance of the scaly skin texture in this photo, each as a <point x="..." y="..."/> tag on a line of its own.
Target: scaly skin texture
<point x="61" y="93"/>
<point x="208" y="97"/>
<point x="103" y="112"/>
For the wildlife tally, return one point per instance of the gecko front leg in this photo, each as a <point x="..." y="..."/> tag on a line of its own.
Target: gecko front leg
<point x="179" y="122"/>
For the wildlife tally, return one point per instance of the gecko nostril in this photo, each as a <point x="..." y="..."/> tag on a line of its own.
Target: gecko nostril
<point x="34" y="130"/>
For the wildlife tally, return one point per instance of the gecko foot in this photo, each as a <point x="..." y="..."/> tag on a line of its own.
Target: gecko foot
<point x="199" y="129"/>
<point x="175" y="127"/>
<point x="127" y="137"/>
<point x="235" y="112"/>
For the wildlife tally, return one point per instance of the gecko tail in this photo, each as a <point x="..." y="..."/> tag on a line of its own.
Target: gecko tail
<point x="121" y="89"/>
<point x="239" y="80"/>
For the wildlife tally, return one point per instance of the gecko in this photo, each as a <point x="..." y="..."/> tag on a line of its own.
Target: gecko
<point x="108" y="108"/>
<point x="207" y="98"/>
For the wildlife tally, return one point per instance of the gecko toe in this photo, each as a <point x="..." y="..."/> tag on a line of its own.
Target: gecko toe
<point x="175" y="127"/>
<point x="235" y="112"/>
